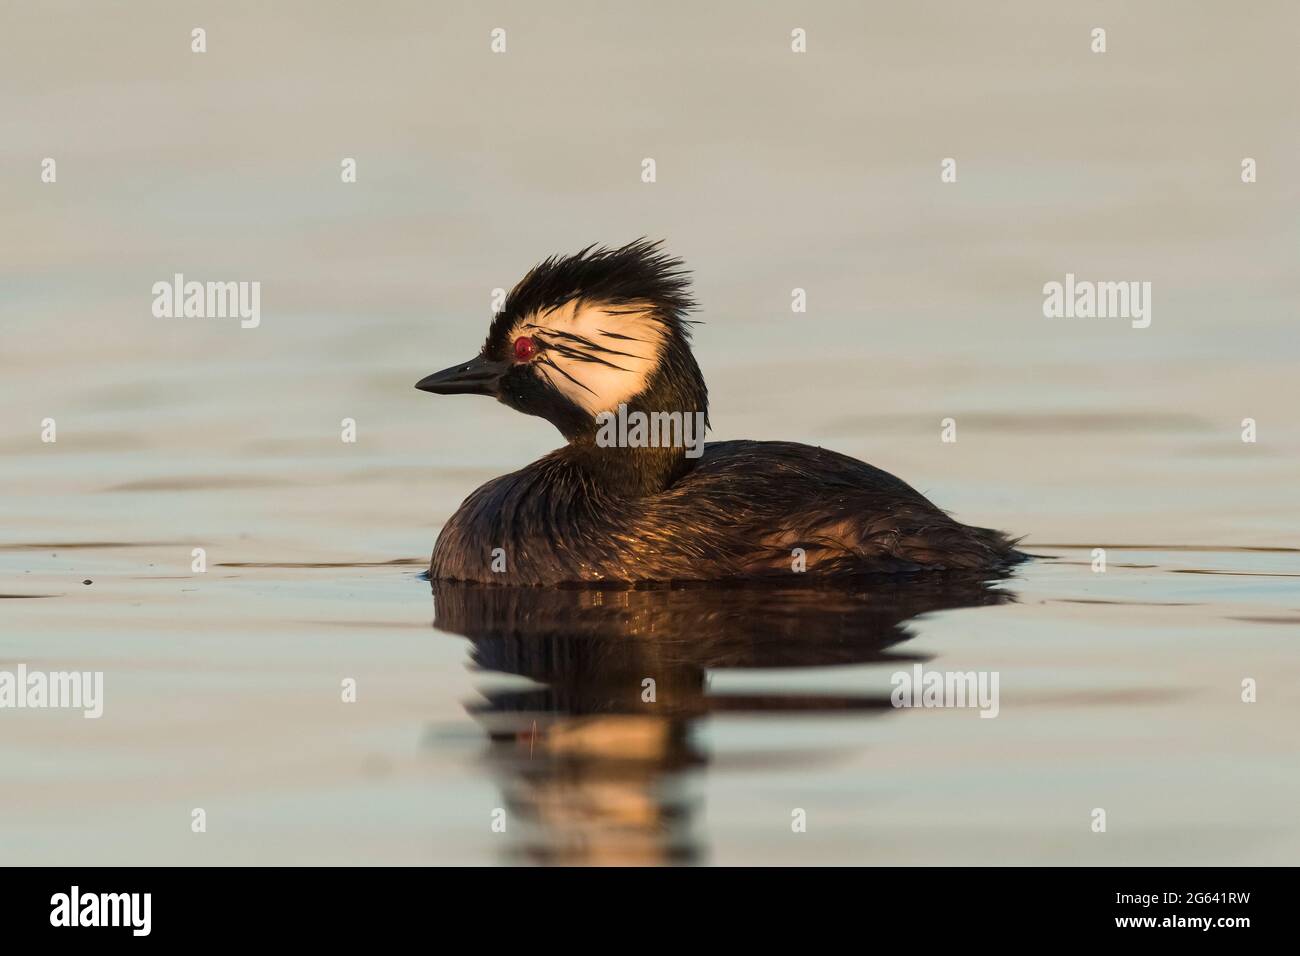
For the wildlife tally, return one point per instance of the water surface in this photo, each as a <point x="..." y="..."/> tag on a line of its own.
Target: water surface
<point x="1119" y="689"/>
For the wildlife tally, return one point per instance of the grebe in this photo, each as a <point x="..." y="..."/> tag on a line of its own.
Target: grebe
<point x="582" y="339"/>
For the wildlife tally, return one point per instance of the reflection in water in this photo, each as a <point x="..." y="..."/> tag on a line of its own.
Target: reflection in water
<point x="592" y="763"/>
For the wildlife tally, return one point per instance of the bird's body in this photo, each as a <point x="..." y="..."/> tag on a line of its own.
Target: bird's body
<point x="584" y="335"/>
<point x="748" y="509"/>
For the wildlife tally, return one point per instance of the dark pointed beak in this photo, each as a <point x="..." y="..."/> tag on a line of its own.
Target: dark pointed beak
<point x="478" y="376"/>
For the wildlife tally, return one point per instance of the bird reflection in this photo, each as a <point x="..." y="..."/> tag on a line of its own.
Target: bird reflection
<point x="594" y="762"/>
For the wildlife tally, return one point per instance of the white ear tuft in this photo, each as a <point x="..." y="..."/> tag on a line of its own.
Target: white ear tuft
<point x="596" y="354"/>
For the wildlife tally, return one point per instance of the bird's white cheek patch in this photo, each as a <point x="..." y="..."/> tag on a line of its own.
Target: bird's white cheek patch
<point x="596" y="355"/>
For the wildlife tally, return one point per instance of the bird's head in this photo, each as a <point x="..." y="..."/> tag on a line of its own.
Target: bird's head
<point x="579" y="335"/>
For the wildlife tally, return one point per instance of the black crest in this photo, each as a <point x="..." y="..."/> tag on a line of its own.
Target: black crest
<point x="638" y="272"/>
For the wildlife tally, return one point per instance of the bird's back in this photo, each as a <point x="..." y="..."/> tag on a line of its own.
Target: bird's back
<point x="747" y="509"/>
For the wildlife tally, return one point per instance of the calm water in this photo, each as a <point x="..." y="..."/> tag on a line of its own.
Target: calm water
<point x="1118" y="690"/>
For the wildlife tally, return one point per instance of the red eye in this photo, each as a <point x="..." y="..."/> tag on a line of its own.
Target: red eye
<point x="525" y="348"/>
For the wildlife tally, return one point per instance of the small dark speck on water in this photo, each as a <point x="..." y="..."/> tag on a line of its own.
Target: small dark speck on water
<point x="87" y="581"/>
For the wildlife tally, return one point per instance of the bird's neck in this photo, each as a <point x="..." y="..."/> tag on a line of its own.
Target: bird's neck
<point x="646" y="444"/>
<point x="640" y="447"/>
<point x="627" y="471"/>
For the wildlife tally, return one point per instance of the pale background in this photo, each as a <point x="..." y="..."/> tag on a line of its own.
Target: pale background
<point x="775" y="171"/>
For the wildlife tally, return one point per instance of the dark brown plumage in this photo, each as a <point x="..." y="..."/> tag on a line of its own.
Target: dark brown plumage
<point x="587" y="514"/>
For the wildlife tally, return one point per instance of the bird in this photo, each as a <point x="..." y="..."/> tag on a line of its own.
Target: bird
<point x="598" y="343"/>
